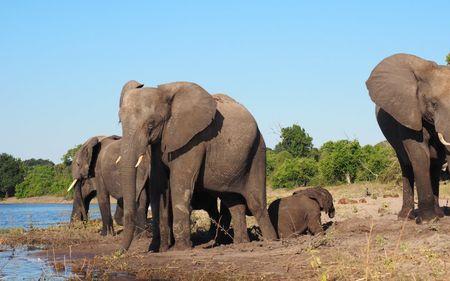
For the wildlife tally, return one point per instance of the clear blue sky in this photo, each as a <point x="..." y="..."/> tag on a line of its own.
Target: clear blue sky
<point x="62" y="64"/>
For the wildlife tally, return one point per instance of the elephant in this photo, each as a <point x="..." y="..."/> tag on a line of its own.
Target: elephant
<point x="96" y="173"/>
<point x="300" y="212"/>
<point x="412" y="102"/>
<point x="196" y="139"/>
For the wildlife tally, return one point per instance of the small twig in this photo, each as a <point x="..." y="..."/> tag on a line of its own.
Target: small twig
<point x="223" y="229"/>
<point x="401" y="232"/>
<point x="368" y="250"/>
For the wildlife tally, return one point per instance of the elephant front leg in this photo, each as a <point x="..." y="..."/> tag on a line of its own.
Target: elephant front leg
<point x="118" y="215"/>
<point x="156" y="235"/>
<point x="420" y="161"/>
<point x="105" y="211"/>
<point x="165" y="224"/>
<point x="141" y="213"/>
<point x="314" y="223"/>
<point x="181" y="193"/>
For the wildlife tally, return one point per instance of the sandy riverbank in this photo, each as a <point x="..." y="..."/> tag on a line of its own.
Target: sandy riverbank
<point x="365" y="241"/>
<point x="43" y="200"/>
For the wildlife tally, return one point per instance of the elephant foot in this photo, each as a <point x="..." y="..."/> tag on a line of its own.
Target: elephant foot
<point x="439" y="211"/>
<point x="107" y="231"/>
<point x="154" y="246"/>
<point x="406" y="212"/>
<point x="181" y="245"/>
<point x="426" y="215"/>
<point x="119" y="221"/>
<point x="241" y="239"/>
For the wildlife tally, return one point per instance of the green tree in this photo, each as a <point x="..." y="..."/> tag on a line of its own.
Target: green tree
<point x="274" y="160"/>
<point x="339" y="161"/>
<point x="294" y="172"/>
<point x="296" y="141"/>
<point x="11" y="174"/>
<point x="447" y="59"/>
<point x="70" y="155"/>
<point x="44" y="180"/>
<point x="392" y="171"/>
<point x="37" y="162"/>
<point x="374" y="161"/>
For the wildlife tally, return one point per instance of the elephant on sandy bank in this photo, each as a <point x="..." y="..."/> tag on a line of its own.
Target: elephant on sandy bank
<point x="96" y="173"/>
<point x="412" y="98"/>
<point x="301" y="212"/>
<point x="197" y="140"/>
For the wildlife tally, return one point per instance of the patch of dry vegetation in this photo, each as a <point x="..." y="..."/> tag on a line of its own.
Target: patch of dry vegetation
<point x="365" y="242"/>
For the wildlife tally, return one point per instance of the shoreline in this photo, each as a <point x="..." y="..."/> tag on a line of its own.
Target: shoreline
<point x="37" y="200"/>
<point x="46" y="199"/>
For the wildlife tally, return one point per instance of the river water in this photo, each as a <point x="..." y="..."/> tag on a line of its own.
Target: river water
<point x="21" y="263"/>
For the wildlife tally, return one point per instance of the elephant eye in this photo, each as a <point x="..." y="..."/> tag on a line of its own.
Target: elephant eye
<point x="434" y="104"/>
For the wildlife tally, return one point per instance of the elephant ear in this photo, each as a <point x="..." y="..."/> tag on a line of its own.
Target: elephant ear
<point x="86" y="158"/>
<point x="132" y="84"/>
<point x="192" y="110"/>
<point x="143" y="174"/>
<point x="393" y="86"/>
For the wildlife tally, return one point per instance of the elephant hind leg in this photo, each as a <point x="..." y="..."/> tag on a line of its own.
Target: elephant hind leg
<point x="255" y="192"/>
<point x="407" y="210"/>
<point x="236" y="206"/>
<point x="435" y="172"/>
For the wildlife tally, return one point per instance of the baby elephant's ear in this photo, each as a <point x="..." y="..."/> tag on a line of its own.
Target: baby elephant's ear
<point x="314" y="194"/>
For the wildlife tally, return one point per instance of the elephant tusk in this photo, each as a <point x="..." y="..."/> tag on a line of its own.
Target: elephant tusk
<point x="72" y="185"/>
<point x="441" y="138"/>
<point x="118" y="159"/>
<point x="139" y="161"/>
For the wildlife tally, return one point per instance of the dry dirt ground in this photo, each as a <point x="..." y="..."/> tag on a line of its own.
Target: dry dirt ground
<point x="365" y="241"/>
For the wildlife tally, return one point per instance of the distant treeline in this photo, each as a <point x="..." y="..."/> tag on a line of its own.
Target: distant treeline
<point x="293" y="162"/>
<point x="296" y="162"/>
<point x="35" y="177"/>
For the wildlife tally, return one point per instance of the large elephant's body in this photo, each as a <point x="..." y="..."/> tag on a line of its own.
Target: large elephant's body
<point x="208" y="142"/>
<point x="98" y="157"/>
<point x="421" y="156"/>
<point x="412" y="98"/>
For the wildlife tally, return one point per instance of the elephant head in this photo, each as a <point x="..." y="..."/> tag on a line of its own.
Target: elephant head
<point x="411" y="90"/>
<point x="82" y="172"/>
<point x="322" y="196"/>
<point x="169" y="116"/>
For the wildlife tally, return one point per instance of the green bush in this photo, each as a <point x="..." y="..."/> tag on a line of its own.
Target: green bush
<point x="375" y="160"/>
<point x="339" y="161"/>
<point x="294" y="172"/>
<point x="11" y="173"/>
<point x="296" y="141"/>
<point x="447" y="59"/>
<point x="44" y="180"/>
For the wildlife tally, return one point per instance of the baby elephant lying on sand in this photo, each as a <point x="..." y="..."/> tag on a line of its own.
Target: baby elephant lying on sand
<point x="300" y="212"/>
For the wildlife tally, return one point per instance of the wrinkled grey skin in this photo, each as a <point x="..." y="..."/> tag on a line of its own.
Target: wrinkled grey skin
<point x="98" y="175"/>
<point x="412" y="98"/>
<point x="300" y="212"/>
<point x="197" y="140"/>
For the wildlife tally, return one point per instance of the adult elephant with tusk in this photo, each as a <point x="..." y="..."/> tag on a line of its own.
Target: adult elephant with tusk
<point x="412" y="98"/>
<point x="96" y="173"/>
<point x="197" y="140"/>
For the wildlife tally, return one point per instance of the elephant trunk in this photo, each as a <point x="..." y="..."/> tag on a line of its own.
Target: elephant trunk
<point x="79" y="208"/>
<point x="128" y="184"/>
